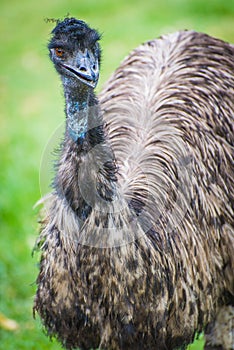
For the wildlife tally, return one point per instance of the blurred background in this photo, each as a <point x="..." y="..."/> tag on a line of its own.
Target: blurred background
<point x="31" y="108"/>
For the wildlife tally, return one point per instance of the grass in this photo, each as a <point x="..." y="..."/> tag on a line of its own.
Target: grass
<point x="31" y="108"/>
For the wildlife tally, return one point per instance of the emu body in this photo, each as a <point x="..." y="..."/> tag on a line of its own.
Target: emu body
<point x="138" y="240"/>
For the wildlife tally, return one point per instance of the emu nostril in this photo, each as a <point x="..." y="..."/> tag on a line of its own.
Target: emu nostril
<point x="82" y="68"/>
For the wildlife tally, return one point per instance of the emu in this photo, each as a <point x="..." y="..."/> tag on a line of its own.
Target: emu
<point x="137" y="243"/>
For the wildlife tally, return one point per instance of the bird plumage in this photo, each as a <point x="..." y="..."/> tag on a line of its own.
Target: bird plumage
<point x="137" y="243"/>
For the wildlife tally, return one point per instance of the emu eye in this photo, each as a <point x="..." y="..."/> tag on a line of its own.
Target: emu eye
<point x="59" y="52"/>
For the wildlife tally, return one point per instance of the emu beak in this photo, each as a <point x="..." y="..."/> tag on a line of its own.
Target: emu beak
<point x="86" y="68"/>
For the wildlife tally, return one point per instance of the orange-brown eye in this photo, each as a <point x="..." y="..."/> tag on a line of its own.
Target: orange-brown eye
<point x="59" y="52"/>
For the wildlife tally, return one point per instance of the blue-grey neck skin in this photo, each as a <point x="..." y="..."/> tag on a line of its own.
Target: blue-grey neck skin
<point x="77" y="109"/>
<point x="77" y="119"/>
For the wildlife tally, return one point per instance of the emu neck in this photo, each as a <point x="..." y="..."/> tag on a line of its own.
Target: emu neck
<point x="78" y="102"/>
<point x="87" y="159"/>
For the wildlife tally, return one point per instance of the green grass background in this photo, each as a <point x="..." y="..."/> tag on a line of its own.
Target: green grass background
<point x="31" y="108"/>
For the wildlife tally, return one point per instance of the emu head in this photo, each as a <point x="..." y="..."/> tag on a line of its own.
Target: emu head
<point x="75" y="52"/>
